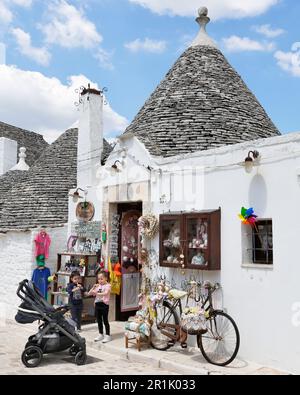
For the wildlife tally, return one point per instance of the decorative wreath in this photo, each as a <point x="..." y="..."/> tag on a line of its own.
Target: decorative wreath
<point x="148" y="225"/>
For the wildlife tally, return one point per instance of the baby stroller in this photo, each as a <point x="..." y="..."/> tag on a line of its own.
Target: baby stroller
<point x="56" y="333"/>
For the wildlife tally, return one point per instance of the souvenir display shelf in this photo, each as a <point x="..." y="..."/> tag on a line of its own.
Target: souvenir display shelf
<point x="61" y="296"/>
<point x="196" y="236"/>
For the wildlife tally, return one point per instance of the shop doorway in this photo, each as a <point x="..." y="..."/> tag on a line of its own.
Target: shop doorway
<point x="127" y="301"/>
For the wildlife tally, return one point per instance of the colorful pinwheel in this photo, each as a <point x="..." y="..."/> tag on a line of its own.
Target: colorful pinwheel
<point x="247" y="216"/>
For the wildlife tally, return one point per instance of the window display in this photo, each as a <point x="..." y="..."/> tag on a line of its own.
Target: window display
<point x="197" y="232"/>
<point x="171" y="248"/>
<point x="190" y="240"/>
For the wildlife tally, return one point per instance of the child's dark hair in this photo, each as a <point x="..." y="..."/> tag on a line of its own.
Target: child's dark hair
<point x="105" y="273"/>
<point x="74" y="274"/>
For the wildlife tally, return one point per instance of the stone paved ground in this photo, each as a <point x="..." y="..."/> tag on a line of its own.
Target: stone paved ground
<point x="112" y="358"/>
<point x="13" y="338"/>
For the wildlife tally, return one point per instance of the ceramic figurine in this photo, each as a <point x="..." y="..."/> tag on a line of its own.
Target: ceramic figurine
<point x="170" y="258"/>
<point x="198" y="259"/>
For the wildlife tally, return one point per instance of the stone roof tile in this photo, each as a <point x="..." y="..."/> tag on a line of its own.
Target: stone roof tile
<point x="202" y="103"/>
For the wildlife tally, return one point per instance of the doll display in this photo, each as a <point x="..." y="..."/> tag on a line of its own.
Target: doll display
<point x="173" y="240"/>
<point x="201" y="238"/>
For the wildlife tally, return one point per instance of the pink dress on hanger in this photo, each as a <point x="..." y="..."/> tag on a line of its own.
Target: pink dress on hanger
<point x="42" y="244"/>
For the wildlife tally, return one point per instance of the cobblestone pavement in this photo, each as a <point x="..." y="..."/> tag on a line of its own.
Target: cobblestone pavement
<point x="12" y="341"/>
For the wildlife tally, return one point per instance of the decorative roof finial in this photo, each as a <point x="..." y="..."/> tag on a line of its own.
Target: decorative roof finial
<point x="203" y="38"/>
<point x="21" y="165"/>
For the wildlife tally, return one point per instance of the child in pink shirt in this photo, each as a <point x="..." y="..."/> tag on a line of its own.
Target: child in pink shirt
<point x="101" y="293"/>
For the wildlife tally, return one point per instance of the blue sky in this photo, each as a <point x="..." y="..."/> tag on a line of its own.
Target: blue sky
<point x="128" y="46"/>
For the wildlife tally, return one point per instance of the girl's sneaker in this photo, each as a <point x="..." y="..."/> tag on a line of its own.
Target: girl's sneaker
<point x="107" y="339"/>
<point x="99" y="338"/>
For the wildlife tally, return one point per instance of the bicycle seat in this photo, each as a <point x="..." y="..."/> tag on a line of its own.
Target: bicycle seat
<point x="177" y="294"/>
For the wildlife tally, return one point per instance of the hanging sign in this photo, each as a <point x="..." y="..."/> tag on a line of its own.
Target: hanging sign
<point x="91" y="230"/>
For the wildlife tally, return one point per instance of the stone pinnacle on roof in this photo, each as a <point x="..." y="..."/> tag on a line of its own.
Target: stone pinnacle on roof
<point x="21" y="165"/>
<point x="203" y="38"/>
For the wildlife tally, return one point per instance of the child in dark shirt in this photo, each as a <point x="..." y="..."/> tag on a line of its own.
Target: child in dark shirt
<point x="76" y="292"/>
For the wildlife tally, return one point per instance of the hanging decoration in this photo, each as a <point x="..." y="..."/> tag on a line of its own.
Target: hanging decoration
<point x="148" y="225"/>
<point x="247" y="216"/>
<point x="115" y="279"/>
<point x="85" y="211"/>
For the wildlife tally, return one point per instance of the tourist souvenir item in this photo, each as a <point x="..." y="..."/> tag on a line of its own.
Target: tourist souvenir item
<point x="42" y="244"/>
<point x="85" y="211"/>
<point x="148" y="225"/>
<point x="198" y="259"/>
<point x="247" y="216"/>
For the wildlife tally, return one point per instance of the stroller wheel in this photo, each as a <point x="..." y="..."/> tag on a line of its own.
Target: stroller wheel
<point x="80" y="358"/>
<point x="32" y="356"/>
<point x="73" y="351"/>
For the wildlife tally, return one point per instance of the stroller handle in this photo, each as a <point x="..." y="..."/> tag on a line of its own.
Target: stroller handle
<point x="21" y="286"/>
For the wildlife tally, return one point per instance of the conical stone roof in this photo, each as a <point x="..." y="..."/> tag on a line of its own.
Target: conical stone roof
<point x="33" y="142"/>
<point x="39" y="197"/>
<point x="202" y="103"/>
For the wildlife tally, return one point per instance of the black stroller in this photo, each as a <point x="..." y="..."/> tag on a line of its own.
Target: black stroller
<point x="55" y="334"/>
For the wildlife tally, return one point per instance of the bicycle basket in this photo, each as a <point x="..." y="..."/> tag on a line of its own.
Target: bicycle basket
<point x="193" y="321"/>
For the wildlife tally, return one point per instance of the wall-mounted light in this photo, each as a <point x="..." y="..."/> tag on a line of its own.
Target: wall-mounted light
<point x="249" y="161"/>
<point x="76" y="196"/>
<point x="115" y="167"/>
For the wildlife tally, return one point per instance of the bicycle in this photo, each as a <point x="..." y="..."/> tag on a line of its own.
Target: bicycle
<point x="219" y="342"/>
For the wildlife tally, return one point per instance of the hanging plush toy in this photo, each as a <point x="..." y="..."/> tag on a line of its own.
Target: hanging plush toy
<point x="104" y="234"/>
<point x="248" y="217"/>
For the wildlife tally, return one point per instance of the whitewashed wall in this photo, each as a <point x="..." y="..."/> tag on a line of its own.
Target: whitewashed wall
<point x="17" y="263"/>
<point x="8" y="154"/>
<point x="265" y="302"/>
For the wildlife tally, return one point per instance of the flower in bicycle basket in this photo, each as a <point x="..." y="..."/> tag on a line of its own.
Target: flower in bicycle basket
<point x="206" y="315"/>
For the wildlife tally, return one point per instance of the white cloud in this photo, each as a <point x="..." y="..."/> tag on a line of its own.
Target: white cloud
<point x="6" y="14"/>
<point x="69" y="27"/>
<point x="23" y="3"/>
<point x="105" y="58"/>
<point x="268" y="31"/>
<point x="25" y="47"/>
<point x="46" y="105"/>
<point x="240" y="44"/>
<point x="217" y="8"/>
<point x="146" y="45"/>
<point x="290" y="61"/>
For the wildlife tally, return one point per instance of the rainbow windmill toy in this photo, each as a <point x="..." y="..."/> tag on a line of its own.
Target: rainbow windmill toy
<point x="247" y="216"/>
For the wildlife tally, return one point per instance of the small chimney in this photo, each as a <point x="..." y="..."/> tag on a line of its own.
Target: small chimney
<point x="8" y="154"/>
<point x="22" y="165"/>
<point x="90" y="136"/>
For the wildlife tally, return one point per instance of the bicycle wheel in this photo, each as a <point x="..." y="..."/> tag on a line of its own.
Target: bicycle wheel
<point x="164" y="315"/>
<point x="221" y="343"/>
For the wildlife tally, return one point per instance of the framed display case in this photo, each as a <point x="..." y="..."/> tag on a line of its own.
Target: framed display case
<point x="171" y="236"/>
<point x="196" y="236"/>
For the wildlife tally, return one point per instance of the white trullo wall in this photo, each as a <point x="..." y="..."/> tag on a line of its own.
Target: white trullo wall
<point x="8" y="154"/>
<point x="17" y="263"/>
<point x="265" y="302"/>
